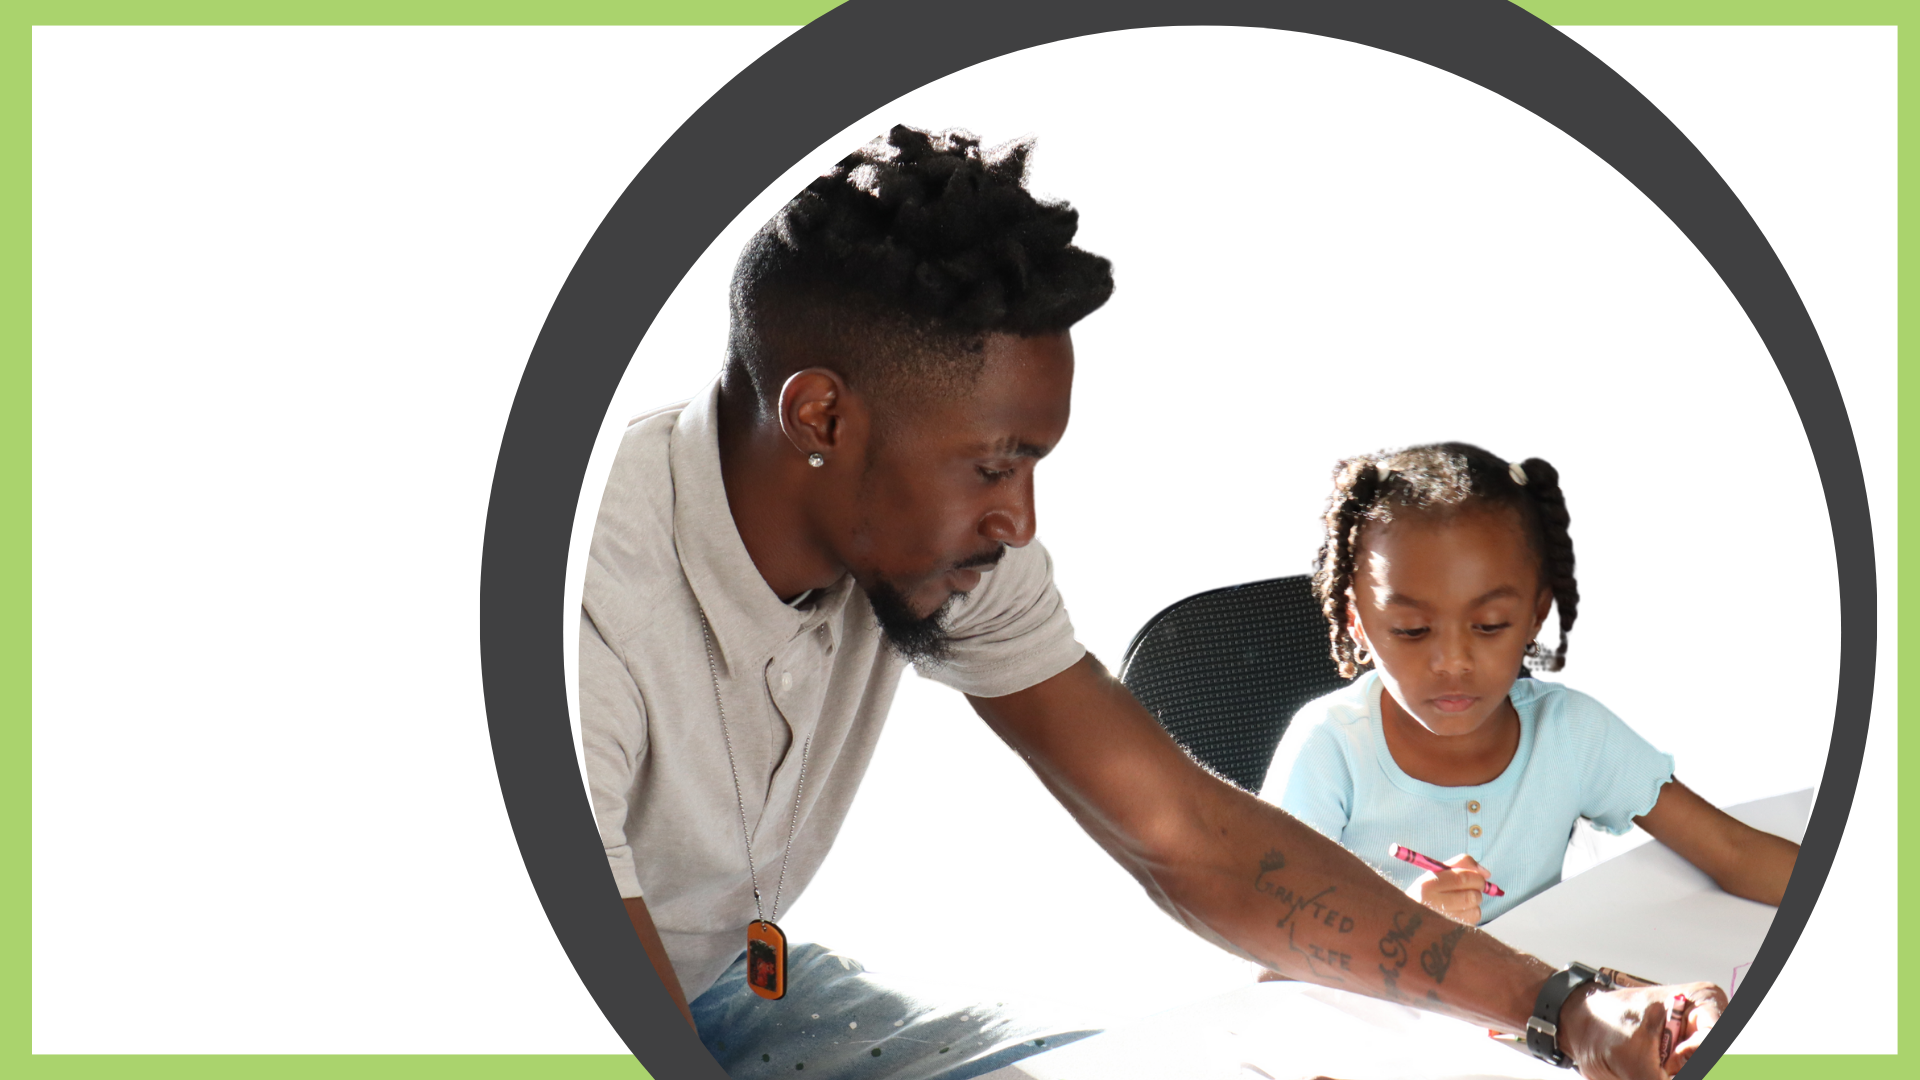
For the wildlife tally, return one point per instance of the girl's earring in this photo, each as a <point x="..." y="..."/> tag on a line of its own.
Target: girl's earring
<point x="1362" y="656"/>
<point x="816" y="459"/>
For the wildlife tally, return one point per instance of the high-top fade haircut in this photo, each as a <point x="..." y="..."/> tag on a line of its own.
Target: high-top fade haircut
<point x="1441" y="480"/>
<point x="893" y="268"/>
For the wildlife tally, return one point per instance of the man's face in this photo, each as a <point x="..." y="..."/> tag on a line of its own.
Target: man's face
<point x="946" y="485"/>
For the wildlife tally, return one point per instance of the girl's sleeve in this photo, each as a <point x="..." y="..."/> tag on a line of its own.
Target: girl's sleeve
<point x="1310" y="779"/>
<point x="1623" y="772"/>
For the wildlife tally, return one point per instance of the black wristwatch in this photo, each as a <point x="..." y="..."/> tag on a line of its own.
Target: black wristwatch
<point x="1543" y="1027"/>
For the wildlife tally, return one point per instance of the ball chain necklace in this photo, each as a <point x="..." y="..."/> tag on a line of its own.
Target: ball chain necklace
<point x="766" y="944"/>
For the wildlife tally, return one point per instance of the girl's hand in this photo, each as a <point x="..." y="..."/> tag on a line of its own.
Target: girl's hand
<point x="1456" y="893"/>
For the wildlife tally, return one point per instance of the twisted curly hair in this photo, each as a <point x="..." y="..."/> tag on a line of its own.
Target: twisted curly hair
<point x="893" y="267"/>
<point x="1442" y="478"/>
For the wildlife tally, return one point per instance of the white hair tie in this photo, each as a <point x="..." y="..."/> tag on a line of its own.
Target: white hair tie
<point x="1518" y="474"/>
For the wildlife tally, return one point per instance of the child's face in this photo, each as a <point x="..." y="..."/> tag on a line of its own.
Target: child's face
<point x="1447" y="607"/>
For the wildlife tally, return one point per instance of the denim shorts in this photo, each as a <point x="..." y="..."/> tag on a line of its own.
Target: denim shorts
<point x="838" y="1022"/>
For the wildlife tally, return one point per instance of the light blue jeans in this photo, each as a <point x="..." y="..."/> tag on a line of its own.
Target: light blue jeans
<point x="839" y="1023"/>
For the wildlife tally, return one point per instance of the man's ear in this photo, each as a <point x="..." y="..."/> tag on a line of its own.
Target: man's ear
<point x="814" y="406"/>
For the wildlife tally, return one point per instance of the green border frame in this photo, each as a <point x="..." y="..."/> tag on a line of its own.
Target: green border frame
<point x="16" y="472"/>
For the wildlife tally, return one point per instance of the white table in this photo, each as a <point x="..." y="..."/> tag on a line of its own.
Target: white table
<point x="1647" y="912"/>
<point x="1651" y="913"/>
<point x="1283" y="1031"/>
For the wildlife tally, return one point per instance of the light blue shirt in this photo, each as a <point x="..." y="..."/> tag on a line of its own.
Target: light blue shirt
<point x="1576" y="759"/>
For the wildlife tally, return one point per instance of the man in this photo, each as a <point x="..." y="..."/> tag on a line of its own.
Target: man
<point x="856" y="491"/>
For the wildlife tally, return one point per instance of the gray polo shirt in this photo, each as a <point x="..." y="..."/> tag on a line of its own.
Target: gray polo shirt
<point x="664" y="549"/>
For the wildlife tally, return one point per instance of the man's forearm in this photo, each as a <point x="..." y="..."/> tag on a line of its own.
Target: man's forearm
<point x="1263" y="884"/>
<point x="1242" y="873"/>
<point x="1273" y="889"/>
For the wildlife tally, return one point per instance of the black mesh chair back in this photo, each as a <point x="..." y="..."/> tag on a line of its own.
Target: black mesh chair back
<point x="1225" y="670"/>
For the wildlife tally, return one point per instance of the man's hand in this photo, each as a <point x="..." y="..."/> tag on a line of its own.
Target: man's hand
<point x="1456" y="893"/>
<point x="1615" y="1035"/>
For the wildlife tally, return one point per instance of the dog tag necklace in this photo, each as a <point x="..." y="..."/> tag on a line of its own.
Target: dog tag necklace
<point x="766" y="945"/>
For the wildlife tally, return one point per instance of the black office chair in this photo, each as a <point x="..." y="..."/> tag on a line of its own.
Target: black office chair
<point x="1225" y="670"/>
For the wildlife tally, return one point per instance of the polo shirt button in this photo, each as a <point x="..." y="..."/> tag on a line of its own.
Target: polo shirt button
<point x="786" y="680"/>
<point x="1474" y="832"/>
<point x="1473" y="806"/>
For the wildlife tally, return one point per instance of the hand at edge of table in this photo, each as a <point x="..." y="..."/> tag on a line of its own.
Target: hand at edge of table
<point x="1615" y="1034"/>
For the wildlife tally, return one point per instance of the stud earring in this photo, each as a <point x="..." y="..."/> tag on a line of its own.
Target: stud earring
<point x="816" y="459"/>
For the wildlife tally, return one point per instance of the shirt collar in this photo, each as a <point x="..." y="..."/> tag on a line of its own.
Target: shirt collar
<point x="747" y="619"/>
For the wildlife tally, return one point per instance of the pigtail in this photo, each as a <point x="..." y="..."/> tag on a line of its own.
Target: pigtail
<point x="1357" y="486"/>
<point x="1543" y="486"/>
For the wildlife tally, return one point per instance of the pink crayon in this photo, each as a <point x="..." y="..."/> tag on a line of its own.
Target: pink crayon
<point x="1407" y="854"/>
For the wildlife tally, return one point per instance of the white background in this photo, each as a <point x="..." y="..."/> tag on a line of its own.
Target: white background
<point x="284" y="284"/>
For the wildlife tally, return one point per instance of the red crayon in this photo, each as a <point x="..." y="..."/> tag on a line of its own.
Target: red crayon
<point x="1676" y="1030"/>
<point x="1407" y="854"/>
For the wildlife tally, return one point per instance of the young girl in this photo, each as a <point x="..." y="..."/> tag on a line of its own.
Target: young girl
<point x="1439" y="568"/>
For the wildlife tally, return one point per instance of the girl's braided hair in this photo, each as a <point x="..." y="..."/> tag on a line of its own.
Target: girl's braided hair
<point x="1442" y="478"/>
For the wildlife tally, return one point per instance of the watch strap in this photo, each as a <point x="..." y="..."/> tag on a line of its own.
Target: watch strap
<point x="1543" y="1027"/>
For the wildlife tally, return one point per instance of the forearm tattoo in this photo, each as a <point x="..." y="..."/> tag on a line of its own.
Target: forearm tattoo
<point x="1439" y="955"/>
<point x="1301" y="908"/>
<point x="1315" y="907"/>
<point x="1324" y="960"/>
<point x="1393" y="946"/>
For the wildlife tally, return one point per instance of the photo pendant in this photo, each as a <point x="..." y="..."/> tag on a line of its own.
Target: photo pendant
<point x="766" y="960"/>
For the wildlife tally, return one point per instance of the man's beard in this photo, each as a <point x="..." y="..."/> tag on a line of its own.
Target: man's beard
<point x="917" y="638"/>
<point x="922" y="639"/>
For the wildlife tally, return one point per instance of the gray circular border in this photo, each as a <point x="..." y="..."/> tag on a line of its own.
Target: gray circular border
<point x="854" y="60"/>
